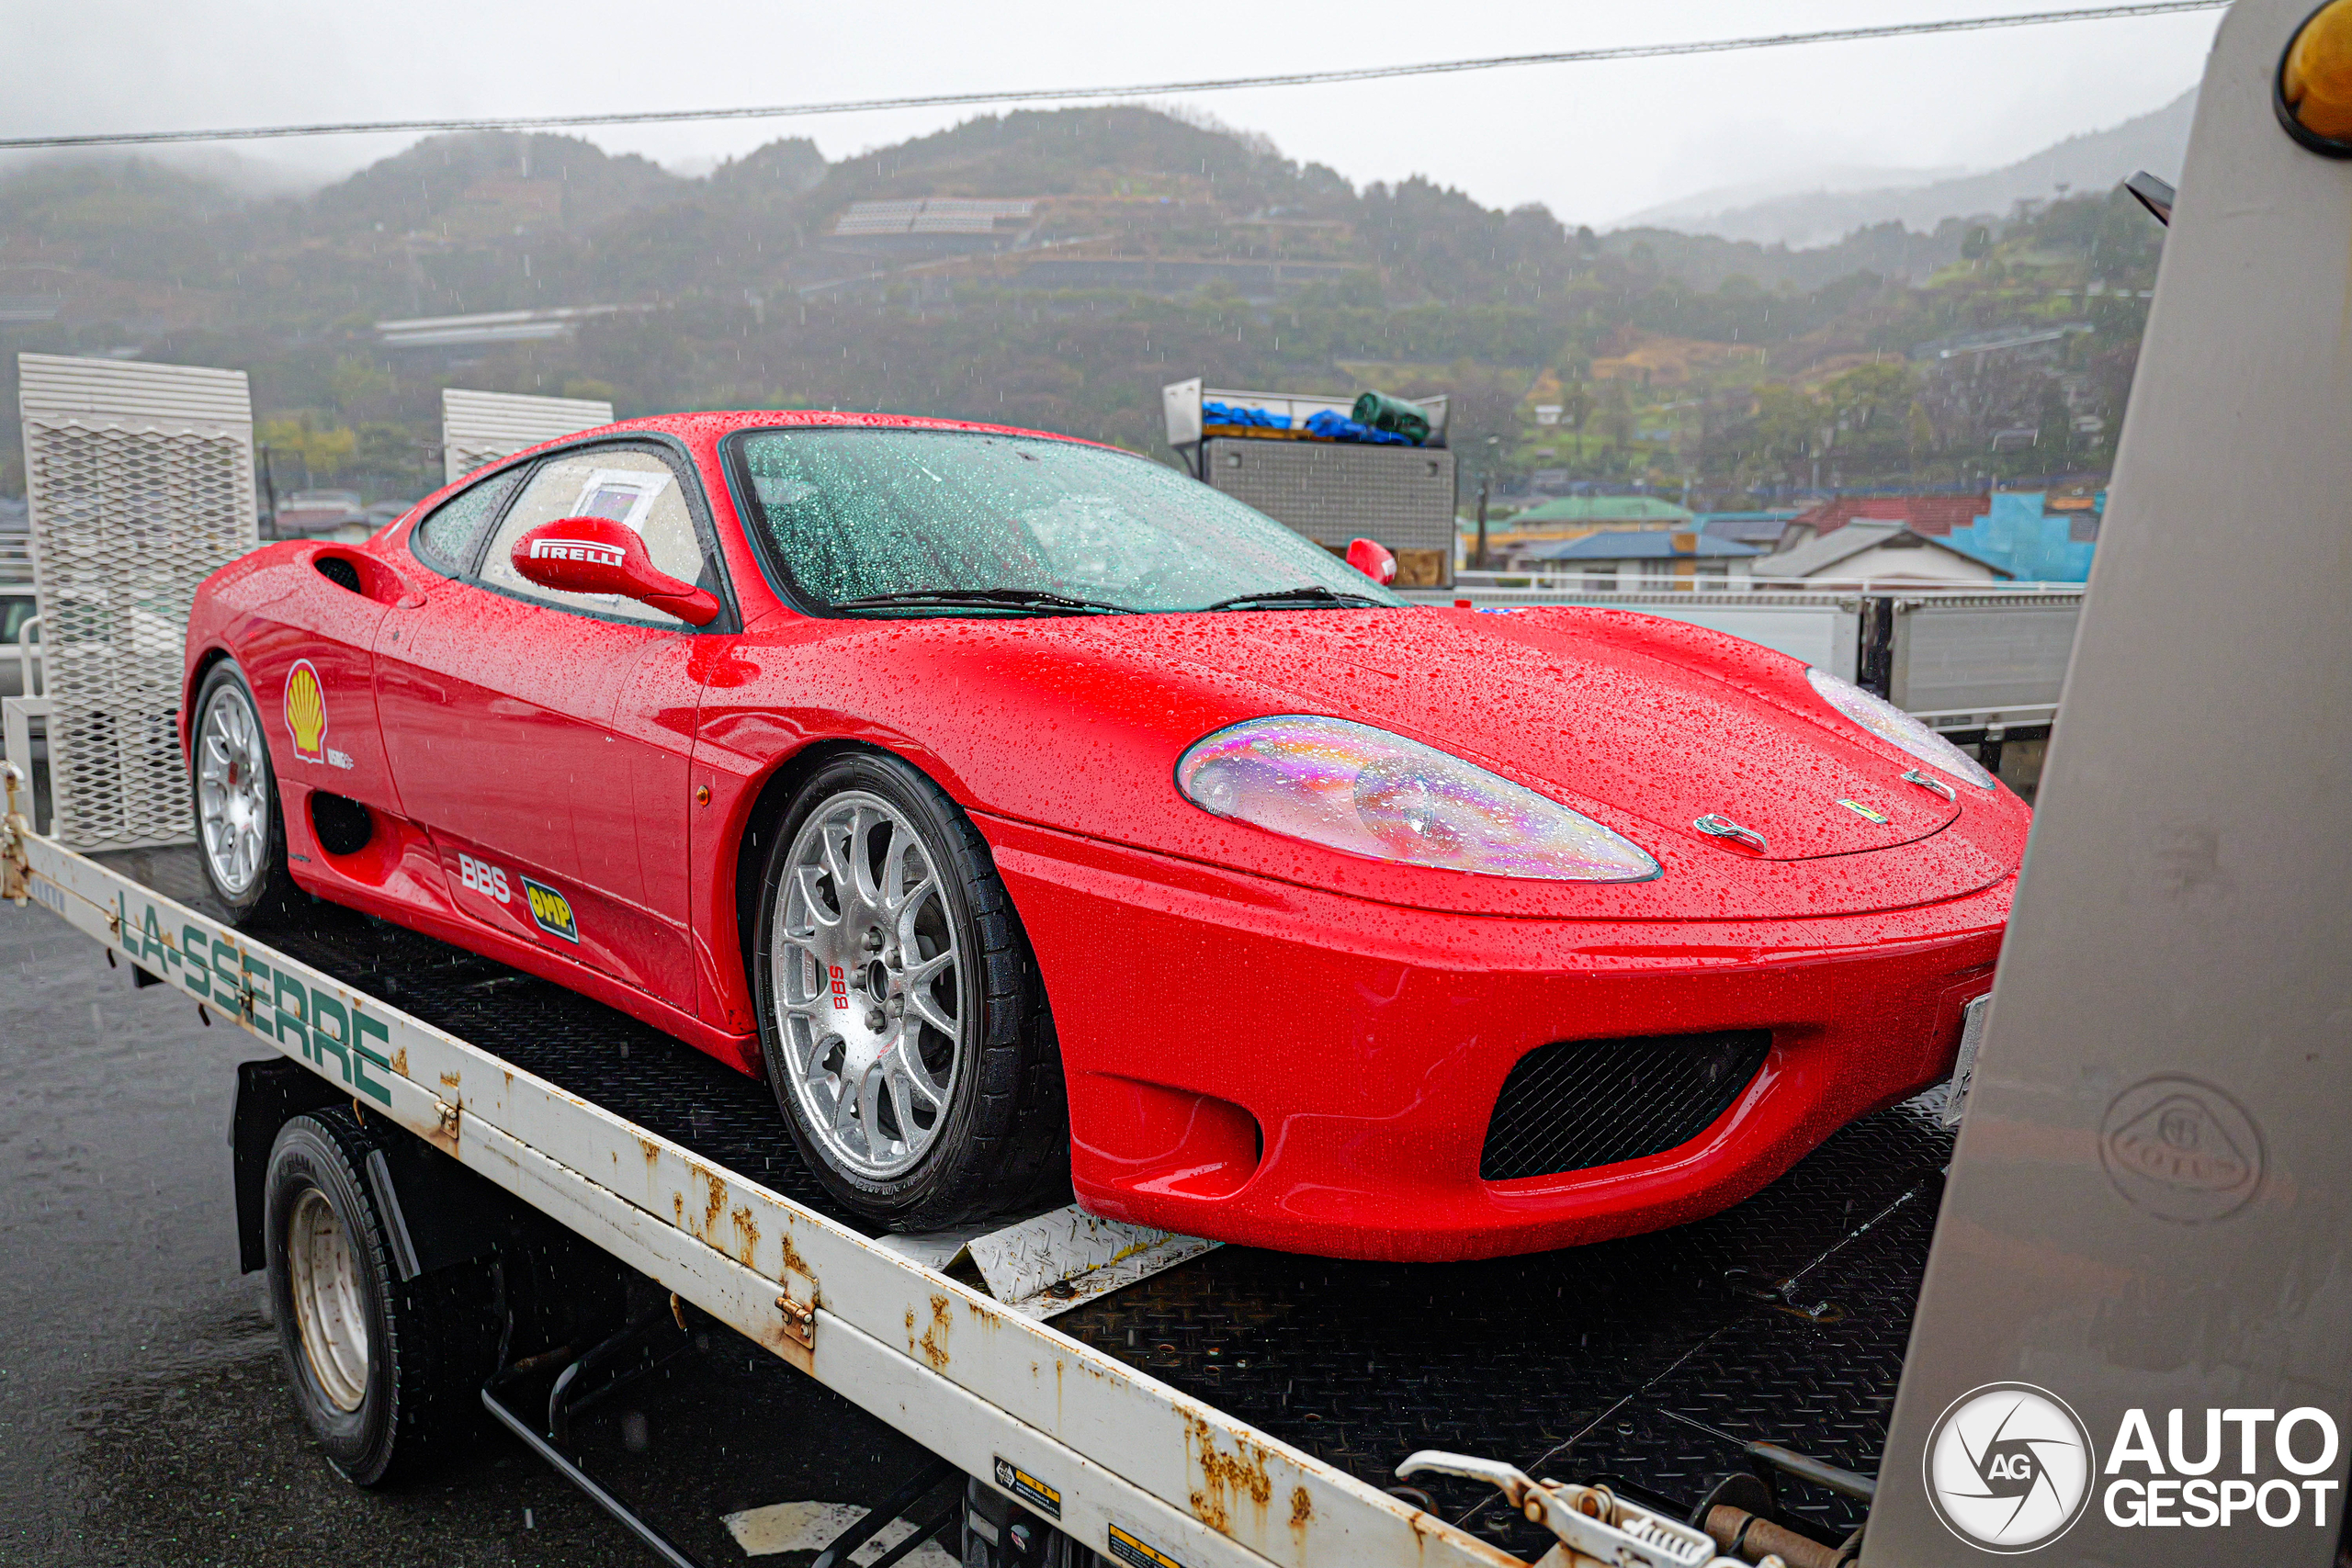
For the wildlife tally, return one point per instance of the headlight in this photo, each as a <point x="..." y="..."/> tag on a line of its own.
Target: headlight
<point x="1366" y="792"/>
<point x="1897" y="729"/>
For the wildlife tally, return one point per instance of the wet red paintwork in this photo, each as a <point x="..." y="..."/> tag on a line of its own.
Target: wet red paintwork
<point x="1266" y="1042"/>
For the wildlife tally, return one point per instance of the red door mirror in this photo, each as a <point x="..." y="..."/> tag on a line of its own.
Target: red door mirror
<point x="596" y="554"/>
<point x="1373" y="560"/>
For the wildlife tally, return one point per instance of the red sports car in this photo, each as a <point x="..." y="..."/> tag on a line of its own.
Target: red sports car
<point x="1025" y="811"/>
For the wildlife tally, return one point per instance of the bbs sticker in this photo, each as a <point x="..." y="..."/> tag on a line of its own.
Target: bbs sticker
<point x="480" y="876"/>
<point x="552" y="910"/>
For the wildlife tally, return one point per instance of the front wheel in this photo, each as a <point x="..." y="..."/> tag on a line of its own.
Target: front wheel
<point x="239" y="828"/>
<point x="903" y="1024"/>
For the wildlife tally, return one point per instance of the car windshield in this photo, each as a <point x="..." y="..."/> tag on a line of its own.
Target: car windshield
<point x="927" y="521"/>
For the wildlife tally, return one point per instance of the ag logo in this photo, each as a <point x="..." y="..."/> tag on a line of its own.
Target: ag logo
<point x="2009" y="1467"/>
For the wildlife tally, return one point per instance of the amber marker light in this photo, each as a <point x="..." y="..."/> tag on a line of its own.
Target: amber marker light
<point x="2314" y="93"/>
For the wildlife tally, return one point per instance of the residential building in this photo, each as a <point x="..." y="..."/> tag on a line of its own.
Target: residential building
<point x="1933" y="515"/>
<point x="1764" y="530"/>
<point x="1881" y="552"/>
<point x="1575" y="516"/>
<point x="1654" y="561"/>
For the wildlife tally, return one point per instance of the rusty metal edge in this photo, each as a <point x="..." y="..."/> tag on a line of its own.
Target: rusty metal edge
<point x="1238" y="1496"/>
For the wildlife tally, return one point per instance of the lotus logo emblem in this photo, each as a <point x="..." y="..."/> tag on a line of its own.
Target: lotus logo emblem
<point x="2010" y="1468"/>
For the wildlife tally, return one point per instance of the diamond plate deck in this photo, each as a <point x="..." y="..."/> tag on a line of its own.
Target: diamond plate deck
<point x="1645" y="1362"/>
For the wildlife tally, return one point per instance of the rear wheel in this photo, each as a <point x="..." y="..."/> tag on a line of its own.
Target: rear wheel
<point x="904" y="1028"/>
<point x="386" y="1372"/>
<point x="241" y="830"/>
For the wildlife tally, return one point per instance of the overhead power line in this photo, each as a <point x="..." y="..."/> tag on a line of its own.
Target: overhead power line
<point x="1130" y="90"/>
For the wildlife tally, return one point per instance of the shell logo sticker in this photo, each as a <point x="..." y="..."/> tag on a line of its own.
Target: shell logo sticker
<point x="551" y="910"/>
<point x="306" y="711"/>
<point x="306" y="716"/>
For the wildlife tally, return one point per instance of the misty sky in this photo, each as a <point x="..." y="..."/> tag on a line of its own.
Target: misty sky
<point x="1593" y="142"/>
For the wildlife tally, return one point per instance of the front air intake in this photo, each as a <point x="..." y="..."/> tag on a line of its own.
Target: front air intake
<point x="1574" y="1104"/>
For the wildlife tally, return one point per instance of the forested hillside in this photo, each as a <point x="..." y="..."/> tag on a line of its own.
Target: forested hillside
<point x="1153" y="249"/>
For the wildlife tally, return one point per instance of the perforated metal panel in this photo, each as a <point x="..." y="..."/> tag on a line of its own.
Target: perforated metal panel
<point x="1333" y="492"/>
<point x="140" y="479"/>
<point x="481" y="427"/>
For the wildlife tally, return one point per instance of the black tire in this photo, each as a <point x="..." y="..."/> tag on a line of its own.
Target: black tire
<point x="1003" y="1146"/>
<point x="271" y="895"/>
<point x="431" y="1343"/>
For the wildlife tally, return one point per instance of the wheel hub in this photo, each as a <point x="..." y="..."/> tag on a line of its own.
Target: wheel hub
<point x="330" y="1308"/>
<point x="868" y="978"/>
<point x="231" y="789"/>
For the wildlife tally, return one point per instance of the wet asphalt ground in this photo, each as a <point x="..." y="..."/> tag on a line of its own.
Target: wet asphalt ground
<point x="143" y="1417"/>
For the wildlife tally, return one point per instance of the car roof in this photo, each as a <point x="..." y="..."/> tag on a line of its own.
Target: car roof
<point x="714" y="423"/>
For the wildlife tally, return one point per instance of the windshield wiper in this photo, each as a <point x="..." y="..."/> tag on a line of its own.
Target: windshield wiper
<point x="984" y="599"/>
<point x="1311" y="597"/>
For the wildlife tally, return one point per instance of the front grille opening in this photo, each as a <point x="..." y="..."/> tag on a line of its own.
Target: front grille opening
<point x="1574" y="1104"/>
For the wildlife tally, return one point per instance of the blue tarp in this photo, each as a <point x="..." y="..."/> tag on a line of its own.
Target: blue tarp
<point x="1327" y="426"/>
<point x="2032" y="546"/>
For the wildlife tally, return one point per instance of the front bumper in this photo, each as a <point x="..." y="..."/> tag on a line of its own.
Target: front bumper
<point x="1270" y="1064"/>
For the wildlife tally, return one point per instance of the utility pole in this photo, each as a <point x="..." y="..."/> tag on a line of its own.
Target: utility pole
<point x="1486" y="482"/>
<point x="269" y="493"/>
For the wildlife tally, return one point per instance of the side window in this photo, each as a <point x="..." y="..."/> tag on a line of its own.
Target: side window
<point x="445" y="540"/>
<point x="630" y="486"/>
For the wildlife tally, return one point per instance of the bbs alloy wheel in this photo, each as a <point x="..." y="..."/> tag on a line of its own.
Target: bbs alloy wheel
<point x="902" y="1018"/>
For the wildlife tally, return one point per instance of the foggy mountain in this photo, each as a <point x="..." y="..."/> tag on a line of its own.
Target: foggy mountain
<point x="2090" y="162"/>
<point x="1043" y="268"/>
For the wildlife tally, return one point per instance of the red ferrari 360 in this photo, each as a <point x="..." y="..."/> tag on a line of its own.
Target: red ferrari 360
<point x="1029" y="816"/>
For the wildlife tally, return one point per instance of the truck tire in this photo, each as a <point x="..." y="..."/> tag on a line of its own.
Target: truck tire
<point x="233" y="787"/>
<point x="387" y="1373"/>
<point x="902" y="1020"/>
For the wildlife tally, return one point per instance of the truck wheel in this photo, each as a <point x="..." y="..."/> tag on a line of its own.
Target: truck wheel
<point x="903" y="1024"/>
<point x="239" y="828"/>
<point x="387" y="1373"/>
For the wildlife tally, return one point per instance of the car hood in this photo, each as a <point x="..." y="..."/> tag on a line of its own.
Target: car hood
<point x="1650" y="741"/>
<point x="1643" y="724"/>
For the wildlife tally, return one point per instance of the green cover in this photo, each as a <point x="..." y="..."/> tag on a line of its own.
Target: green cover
<point x="1382" y="412"/>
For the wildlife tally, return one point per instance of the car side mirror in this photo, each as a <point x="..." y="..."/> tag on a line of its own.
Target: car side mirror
<point x="596" y="554"/>
<point x="1373" y="560"/>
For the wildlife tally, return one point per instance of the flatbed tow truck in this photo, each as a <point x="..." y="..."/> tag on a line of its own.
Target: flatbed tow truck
<point x="1771" y="1375"/>
<point x="1241" y="1407"/>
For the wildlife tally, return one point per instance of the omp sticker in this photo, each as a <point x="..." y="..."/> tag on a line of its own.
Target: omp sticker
<point x="1027" y="1488"/>
<point x="1126" y="1549"/>
<point x="484" y="878"/>
<point x="551" y="909"/>
<point x="306" y="711"/>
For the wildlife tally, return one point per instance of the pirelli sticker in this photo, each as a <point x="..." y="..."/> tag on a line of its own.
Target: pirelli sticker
<point x="1126" y="1549"/>
<point x="1026" y="1488"/>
